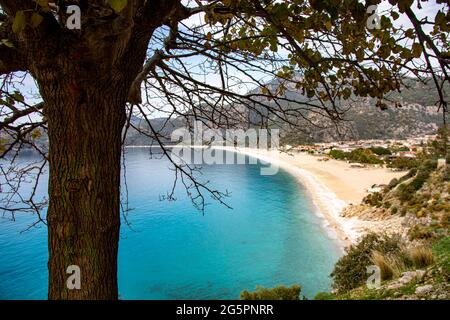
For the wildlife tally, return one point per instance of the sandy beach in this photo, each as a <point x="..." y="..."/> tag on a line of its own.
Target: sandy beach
<point x="332" y="184"/>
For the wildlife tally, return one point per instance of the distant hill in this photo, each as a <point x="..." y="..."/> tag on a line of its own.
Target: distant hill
<point x="365" y="121"/>
<point x="145" y="136"/>
<point x="409" y="113"/>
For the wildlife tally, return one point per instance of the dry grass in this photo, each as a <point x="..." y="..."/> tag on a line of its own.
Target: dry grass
<point x="392" y="266"/>
<point x="382" y="262"/>
<point x="420" y="256"/>
<point x="398" y="265"/>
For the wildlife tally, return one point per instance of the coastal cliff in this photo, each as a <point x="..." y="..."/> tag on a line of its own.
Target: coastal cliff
<point x="410" y="216"/>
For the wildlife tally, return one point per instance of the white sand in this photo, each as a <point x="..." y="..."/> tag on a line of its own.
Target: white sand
<point x="332" y="185"/>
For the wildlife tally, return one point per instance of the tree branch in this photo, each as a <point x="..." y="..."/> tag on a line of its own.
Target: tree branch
<point x="19" y="114"/>
<point x="11" y="59"/>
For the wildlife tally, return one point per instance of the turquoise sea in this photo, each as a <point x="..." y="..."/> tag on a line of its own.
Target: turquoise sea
<point x="170" y="250"/>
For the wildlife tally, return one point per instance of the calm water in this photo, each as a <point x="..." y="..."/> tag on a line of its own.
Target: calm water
<point x="171" y="251"/>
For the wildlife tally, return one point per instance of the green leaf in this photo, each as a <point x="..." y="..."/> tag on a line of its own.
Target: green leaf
<point x="3" y="145"/>
<point x="42" y="3"/>
<point x="440" y="18"/>
<point x="410" y="33"/>
<point x="36" y="19"/>
<point x="18" y="96"/>
<point x="7" y="43"/>
<point x="273" y="44"/>
<point x="20" y="21"/>
<point x="117" y="5"/>
<point x="395" y="15"/>
<point x="36" y="134"/>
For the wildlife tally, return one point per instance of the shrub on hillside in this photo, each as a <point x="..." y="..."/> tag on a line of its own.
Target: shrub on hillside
<point x="441" y="251"/>
<point x="381" y="151"/>
<point x="393" y="183"/>
<point x="324" y="296"/>
<point x="420" y="232"/>
<point x="277" y="293"/>
<point x="338" y="154"/>
<point x="407" y="190"/>
<point x="351" y="269"/>
<point x="411" y="173"/>
<point x="420" y="257"/>
<point x="403" y="163"/>
<point x="374" y="199"/>
<point x="364" y="156"/>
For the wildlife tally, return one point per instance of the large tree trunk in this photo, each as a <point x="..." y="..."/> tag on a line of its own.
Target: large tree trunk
<point x="85" y="122"/>
<point x="84" y="79"/>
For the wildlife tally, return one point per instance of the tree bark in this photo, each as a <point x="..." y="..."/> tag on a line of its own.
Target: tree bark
<point x="85" y="123"/>
<point x="84" y="78"/>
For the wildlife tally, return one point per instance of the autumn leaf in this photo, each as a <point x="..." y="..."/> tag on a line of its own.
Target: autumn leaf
<point x="416" y="50"/>
<point x="117" y="5"/>
<point x="395" y="15"/>
<point x="36" y="19"/>
<point x="42" y="3"/>
<point x="18" y="96"/>
<point x="3" y="145"/>
<point x="36" y="134"/>
<point x="19" y="22"/>
<point x="7" y="43"/>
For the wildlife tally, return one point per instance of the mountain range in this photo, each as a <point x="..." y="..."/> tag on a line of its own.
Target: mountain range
<point x="410" y="112"/>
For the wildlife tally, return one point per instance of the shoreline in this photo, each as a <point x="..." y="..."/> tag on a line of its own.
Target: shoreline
<point x="331" y="187"/>
<point x="326" y="205"/>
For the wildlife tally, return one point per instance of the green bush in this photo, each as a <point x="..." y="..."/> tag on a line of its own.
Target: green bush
<point x="419" y="180"/>
<point x="403" y="163"/>
<point x="439" y="146"/>
<point x="419" y="232"/>
<point x="350" y="271"/>
<point x="407" y="190"/>
<point x="411" y="173"/>
<point x="374" y="199"/>
<point x="358" y="155"/>
<point x="338" y="154"/>
<point x="441" y="251"/>
<point x="394" y="182"/>
<point x="278" y="293"/>
<point x="324" y="296"/>
<point x="380" y="151"/>
<point x="364" y="156"/>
